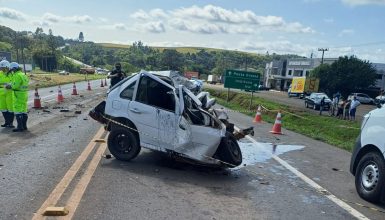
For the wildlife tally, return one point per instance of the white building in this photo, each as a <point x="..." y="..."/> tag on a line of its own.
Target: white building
<point x="279" y="74"/>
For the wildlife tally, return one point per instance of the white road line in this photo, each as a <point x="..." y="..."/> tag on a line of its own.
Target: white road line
<point x="317" y="187"/>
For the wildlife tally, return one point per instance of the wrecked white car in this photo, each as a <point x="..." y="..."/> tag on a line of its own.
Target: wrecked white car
<point x="151" y="111"/>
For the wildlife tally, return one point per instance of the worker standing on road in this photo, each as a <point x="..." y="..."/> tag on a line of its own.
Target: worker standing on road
<point x="19" y="86"/>
<point x="6" y="95"/>
<point x="116" y="75"/>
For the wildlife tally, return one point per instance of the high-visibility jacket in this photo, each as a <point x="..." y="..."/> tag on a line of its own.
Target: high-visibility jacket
<point x="20" y="83"/>
<point x="3" y="106"/>
<point x="6" y="95"/>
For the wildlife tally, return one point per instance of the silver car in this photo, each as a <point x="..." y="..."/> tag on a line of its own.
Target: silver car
<point x="362" y="98"/>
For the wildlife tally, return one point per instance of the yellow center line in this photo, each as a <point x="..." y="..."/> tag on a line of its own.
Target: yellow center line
<point x="68" y="177"/>
<point x="77" y="194"/>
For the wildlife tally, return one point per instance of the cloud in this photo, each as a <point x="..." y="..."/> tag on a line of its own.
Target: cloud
<point x="12" y="14"/>
<point x="279" y="47"/>
<point x="158" y="13"/>
<point x="79" y="19"/>
<point x="120" y="26"/>
<point x="140" y="15"/>
<point x="346" y="32"/>
<point x="48" y="17"/>
<point x="363" y="2"/>
<point x="51" y="18"/>
<point x="155" y="27"/>
<point x="212" y="19"/>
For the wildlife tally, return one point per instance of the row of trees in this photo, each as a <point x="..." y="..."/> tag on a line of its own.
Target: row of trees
<point x="346" y="75"/>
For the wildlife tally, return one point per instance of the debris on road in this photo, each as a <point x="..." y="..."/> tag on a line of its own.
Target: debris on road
<point x="55" y="211"/>
<point x="107" y="156"/>
<point x="78" y="112"/>
<point x="64" y="110"/>
<point x="47" y="111"/>
<point x="100" y="141"/>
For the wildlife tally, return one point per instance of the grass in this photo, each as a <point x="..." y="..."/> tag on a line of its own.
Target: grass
<point x="183" y="50"/>
<point x="340" y="133"/>
<point x="42" y="79"/>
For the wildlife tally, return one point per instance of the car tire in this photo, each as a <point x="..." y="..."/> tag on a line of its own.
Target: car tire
<point x="306" y="105"/>
<point x="370" y="177"/>
<point x="123" y="144"/>
<point x="314" y="106"/>
<point x="229" y="151"/>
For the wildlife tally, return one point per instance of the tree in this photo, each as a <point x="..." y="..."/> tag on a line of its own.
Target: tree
<point x="81" y="37"/>
<point x="346" y="75"/>
<point x="172" y="59"/>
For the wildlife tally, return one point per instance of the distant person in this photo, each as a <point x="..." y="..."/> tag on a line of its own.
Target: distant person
<point x="340" y="110"/>
<point x="346" y="109"/>
<point x="334" y="105"/>
<point x="353" y="106"/>
<point x="116" y="75"/>
<point x="322" y="104"/>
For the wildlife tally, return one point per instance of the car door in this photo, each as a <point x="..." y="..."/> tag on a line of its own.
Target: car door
<point x="144" y="115"/>
<point x="200" y="139"/>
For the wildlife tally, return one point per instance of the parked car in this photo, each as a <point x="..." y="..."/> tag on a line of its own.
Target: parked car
<point x="368" y="159"/>
<point x="362" y="98"/>
<point x="380" y="99"/>
<point x="159" y="113"/>
<point x="314" y="101"/>
<point x="63" y="72"/>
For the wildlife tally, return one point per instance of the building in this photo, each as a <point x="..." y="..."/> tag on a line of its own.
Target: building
<point x="191" y="74"/>
<point x="279" y="74"/>
<point x="380" y="83"/>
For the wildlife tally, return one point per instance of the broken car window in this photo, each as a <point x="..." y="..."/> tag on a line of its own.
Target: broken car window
<point x="128" y="92"/>
<point x="153" y="93"/>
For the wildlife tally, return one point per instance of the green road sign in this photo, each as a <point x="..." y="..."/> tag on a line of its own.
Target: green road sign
<point x="238" y="79"/>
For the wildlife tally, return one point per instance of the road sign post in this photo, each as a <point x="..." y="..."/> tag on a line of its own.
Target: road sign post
<point x="239" y="79"/>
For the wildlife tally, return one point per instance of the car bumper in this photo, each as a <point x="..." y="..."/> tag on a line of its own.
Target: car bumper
<point x="356" y="150"/>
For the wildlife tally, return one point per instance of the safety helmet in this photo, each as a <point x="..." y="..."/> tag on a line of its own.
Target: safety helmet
<point x="13" y="65"/>
<point x="4" y="64"/>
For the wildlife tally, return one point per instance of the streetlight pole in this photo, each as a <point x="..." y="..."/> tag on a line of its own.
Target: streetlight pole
<point x="323" y="51"/>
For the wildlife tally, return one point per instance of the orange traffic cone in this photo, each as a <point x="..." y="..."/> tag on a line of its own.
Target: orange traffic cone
<point x="258" y="116"/>
<point x="105" y="82"/>
<point x="89" y="86"/>
<point x="36" y="101"/>
<point x="74" y="91"/>
<point x="60" y="97"/>
<point x="101" y="83"/>
<point x="277" y="125"/>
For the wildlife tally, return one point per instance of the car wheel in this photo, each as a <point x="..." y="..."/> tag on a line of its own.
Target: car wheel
<point x="123" y="144"/>
<point x="229" y="151"/>
<point x="370" y="177"/>
<point x="306" y="105"/>
<point x="314" y="106"/>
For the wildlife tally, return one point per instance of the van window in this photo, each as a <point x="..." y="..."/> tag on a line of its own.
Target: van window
<point x="153" y="93"/>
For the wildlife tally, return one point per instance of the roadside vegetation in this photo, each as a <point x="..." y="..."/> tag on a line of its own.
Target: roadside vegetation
<point x="41" y="79"/>
<point x="337" y="132"/>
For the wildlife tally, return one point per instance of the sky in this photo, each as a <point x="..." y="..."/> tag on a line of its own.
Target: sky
<point x="344" y="27"/>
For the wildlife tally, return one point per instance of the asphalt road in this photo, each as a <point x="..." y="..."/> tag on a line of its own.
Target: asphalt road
<point x="60" y="162"/>
<point x="282" y="98"/>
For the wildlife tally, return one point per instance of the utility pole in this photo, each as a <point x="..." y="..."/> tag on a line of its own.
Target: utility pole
<point x="323" y="51"/>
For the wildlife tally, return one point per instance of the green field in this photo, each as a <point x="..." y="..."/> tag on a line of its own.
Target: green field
<point x="340" y="133"/>
<point x="179" y="49"/>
